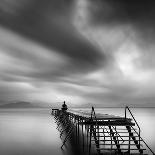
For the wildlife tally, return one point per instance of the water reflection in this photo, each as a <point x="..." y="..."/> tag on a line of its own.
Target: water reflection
<point x="26" y="132"/>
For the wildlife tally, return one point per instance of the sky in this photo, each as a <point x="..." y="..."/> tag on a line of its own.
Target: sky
<point x="86" y="52"/>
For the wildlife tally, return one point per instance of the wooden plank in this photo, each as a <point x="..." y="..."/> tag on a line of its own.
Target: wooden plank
<point x="99" y="116"/>
<point x="112" y="123"/>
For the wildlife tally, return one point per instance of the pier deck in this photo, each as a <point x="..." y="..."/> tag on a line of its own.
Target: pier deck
<point x="115" y="134"/>
<point x="101" y="119"/>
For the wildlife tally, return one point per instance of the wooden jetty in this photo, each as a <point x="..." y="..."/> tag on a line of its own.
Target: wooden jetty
<point x="106" y="133"/>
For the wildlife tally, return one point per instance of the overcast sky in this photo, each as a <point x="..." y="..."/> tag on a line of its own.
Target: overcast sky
<point x="87" y="52"/>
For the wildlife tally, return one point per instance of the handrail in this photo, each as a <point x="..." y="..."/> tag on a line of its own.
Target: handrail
<point x="140" y="138"/>
<point x="93" y="113"/>
<point x="127" y="108"/>
<point x="132" y="116"/>
<point x="144" y="141"/>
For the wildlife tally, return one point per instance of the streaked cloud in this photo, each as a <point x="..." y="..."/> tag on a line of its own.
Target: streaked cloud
<point x="83" y="51"/>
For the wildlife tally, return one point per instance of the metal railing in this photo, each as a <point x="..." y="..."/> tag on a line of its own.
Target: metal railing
<point x="139" y="130"/>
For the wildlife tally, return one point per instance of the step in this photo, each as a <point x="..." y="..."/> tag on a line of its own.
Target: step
<point x="115" y="136"/>
<point x="125" y="129"/>
<point x="117" y="149"/>
<point x="103" y="127"/>
<point x="120" y="140"/>
<point x="112" y="132"/>
<point x="122" y="144"/>
<point x="112" y="123"/>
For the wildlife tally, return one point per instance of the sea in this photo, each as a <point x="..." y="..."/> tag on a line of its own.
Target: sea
<point x="33" y="131"/>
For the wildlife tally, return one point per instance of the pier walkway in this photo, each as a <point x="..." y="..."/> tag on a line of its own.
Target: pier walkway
<point x="107" y="134"/>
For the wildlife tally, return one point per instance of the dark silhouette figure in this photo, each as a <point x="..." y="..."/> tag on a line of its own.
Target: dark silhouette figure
<point x="64" y="107"/>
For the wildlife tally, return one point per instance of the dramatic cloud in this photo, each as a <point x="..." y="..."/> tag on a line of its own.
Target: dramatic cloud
<point x="83" y="51"/>
<point x="124" y="30"/>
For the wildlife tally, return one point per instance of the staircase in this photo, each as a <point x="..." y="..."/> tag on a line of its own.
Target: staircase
<point x="114" y="139"/>
<point x="120" y="136"/>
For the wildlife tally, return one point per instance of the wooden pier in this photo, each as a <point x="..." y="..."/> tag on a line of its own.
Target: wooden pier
<point x="107" y="134"/>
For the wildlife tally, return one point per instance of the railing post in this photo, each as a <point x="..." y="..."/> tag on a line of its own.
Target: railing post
<point x="125" y="112"/>
<point x="139" y="138"/>
<point x="91" y="126"/>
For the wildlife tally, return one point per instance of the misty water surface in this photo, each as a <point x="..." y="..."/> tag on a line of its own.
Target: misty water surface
<point x="28" y="132"/>
<point x="33" y="131"/>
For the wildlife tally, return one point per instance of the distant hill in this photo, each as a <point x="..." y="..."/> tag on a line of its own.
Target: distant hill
<point x="21" y="104"/>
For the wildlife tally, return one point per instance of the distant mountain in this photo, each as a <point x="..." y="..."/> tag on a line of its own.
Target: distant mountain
<point x="21" y="104"/>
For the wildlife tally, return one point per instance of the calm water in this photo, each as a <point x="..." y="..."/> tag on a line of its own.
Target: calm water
<point x="33" y="131"/>
<point x="28" y="132"/>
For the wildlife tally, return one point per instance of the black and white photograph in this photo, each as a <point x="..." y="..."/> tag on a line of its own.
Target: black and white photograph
<point x="77" y="77"/>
